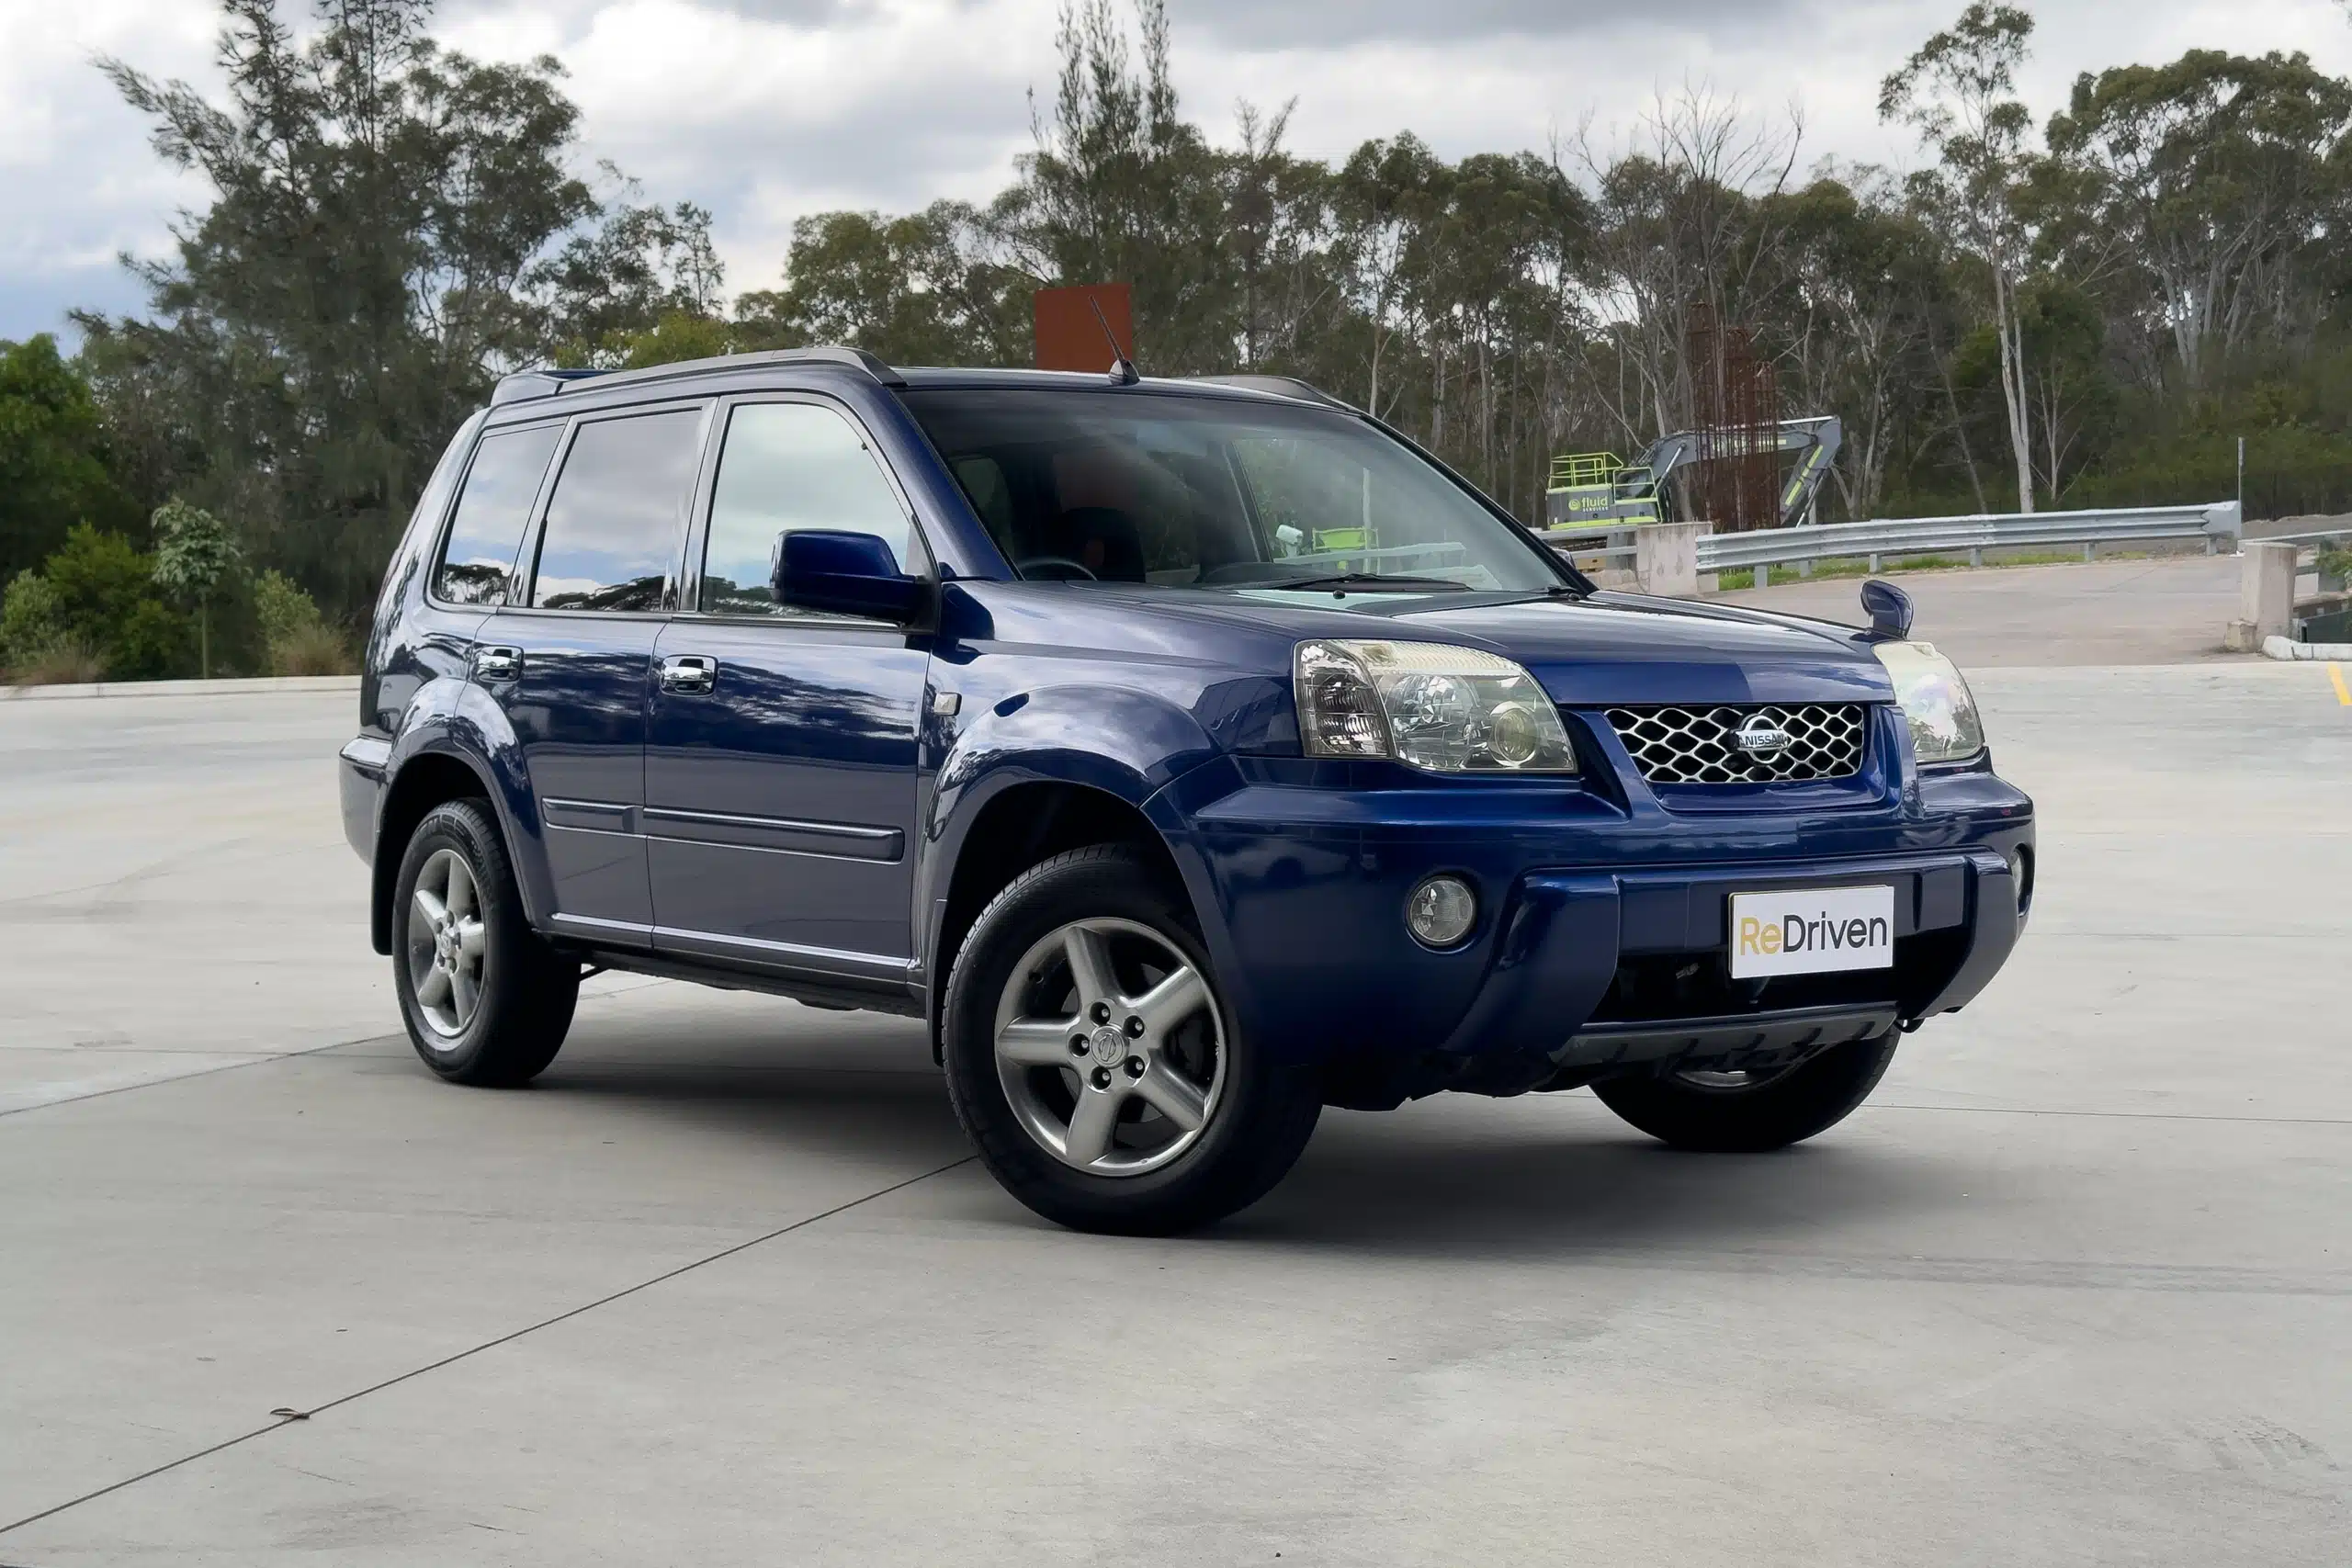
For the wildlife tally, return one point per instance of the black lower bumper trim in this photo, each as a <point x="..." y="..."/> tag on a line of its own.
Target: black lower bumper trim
<point x="1739" y="1042"/>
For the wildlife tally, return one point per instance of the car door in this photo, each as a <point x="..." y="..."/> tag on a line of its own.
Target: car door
<point x="781" y="757"/>
<point x="571" y="665"/>
<point x="473" y="572"/>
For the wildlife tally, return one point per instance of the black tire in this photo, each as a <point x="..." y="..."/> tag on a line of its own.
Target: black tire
<point x="526" y="990"/>
<point x="1262" y="1116"/>
<point x="1787" y="1110"/>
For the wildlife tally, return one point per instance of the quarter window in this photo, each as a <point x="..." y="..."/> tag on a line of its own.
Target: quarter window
<point x="615" y="520"/>
<point x="493" y="511"/>
<point x="787" y="466"/>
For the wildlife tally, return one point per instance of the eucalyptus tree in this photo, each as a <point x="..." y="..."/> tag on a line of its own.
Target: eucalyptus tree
<point x="2220" y="176"/>
<point x="384" y="233"/>
<point x="1959" y="92"/>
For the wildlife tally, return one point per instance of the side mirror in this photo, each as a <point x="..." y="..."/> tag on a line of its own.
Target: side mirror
<point x="1889" y="609"/>
<point x="843" y="574"/>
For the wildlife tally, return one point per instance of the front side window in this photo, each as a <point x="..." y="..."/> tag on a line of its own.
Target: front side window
<point x="493" y="509"/>
<point x="787" y="466"/>
<point x="1249" y="496"/>
<point x="617" y="513"/>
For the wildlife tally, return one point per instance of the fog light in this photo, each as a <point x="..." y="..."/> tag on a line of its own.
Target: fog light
<point x="1441" y="911"/>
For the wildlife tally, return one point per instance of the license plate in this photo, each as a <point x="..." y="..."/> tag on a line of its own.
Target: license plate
<point x="1812" y="931"/>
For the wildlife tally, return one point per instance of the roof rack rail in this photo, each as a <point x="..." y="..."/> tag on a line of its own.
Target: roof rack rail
<point x="1280" y="386"/>
<point x="547" y="383"/>
<point x="536" y="384"/>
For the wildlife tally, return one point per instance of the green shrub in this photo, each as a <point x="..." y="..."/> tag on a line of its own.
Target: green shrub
<point x="32" y="621"/>
<point x="281" y="607"/>
<point x="316" y="649"/>
<point x="107" y="599"/>
<point x="297" y="641"/>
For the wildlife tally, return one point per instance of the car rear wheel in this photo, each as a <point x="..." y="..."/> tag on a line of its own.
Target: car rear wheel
<point x="1095" y="1065"/>
<point x="1730" y="1113"/>
<point x="486" y="1001"/>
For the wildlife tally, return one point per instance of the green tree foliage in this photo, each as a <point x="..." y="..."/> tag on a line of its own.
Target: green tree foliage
<point x="106" y="598"/>
<point x="1958" y="92"/>
<point x="194" y="559"/>
<point x="925" y="288"/>
<point x="54" y="468"/>
<point x="32" y="621"/>
<point x="2085" y="311"/>
<point x="390" y="226"/>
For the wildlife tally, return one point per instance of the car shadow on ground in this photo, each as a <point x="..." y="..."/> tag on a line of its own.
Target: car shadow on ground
<point x="1547" y="1176"/>
<point x="1434" y="1183"/>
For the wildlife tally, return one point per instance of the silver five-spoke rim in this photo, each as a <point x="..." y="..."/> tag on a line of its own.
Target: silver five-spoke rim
<point x="1110" y="1047"/>
<point x="447" y="952"/>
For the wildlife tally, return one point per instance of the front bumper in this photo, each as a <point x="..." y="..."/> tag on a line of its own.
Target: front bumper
<point x="1600" y="946"/>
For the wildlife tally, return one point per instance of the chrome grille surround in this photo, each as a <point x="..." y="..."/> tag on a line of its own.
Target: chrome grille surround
<point x="1697" y="745"/>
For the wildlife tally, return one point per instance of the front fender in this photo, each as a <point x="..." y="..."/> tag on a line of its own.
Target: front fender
<point x="1121" y="742"/>
<point x="456" y="719"/>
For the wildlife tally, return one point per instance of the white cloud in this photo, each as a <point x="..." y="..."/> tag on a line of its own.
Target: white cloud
<point x="768" y="109"/>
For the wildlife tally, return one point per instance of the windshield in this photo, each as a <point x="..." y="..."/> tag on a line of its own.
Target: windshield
<point x="1218" y="493"/>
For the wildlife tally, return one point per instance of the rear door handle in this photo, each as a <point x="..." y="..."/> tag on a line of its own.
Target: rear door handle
<point x="497" y="663"/>
<point x="691" y="674"/>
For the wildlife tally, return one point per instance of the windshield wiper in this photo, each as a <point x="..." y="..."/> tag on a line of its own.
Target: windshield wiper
<point x="1372" y="583"/>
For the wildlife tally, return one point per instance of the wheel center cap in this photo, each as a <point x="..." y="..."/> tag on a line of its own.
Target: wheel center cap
<point x="1110" y="1046"/>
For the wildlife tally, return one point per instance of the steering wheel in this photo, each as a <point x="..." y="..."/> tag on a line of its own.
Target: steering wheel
<point x="1077" y="567"/>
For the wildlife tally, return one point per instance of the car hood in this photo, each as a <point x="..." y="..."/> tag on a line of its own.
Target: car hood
<point x="1611" y="647"/>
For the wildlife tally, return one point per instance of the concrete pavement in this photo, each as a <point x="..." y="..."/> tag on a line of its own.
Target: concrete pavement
<point x="2163" y="610"/>
<point x="2073" y="1287"/>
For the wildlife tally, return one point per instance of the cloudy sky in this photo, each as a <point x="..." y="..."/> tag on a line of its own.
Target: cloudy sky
<point x="766" y="109"/>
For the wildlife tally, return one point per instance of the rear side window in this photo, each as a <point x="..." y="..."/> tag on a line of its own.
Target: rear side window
<point x="619" y="507"/>
<point x="788" y="466"/>
<point x="493" y="511"/>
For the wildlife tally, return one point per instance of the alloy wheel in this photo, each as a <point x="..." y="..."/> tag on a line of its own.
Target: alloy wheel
<point x="1111" y="1047"/>
<point x="447" y="943"/>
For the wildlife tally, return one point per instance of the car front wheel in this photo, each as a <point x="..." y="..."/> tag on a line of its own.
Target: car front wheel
<point x="486" y="1001"/>
<point x="1096" y="1066"/>
<point x="1733" y="1114"/>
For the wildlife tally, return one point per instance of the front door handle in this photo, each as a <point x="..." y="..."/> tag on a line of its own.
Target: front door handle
<point x="497" y="663"/>
<point x="690" y="674"/>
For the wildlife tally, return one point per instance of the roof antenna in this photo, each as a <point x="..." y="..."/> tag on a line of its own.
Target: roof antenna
<point x="1123" y="369"/>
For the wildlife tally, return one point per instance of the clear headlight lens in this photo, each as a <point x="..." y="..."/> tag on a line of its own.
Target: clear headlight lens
<point x="1937" y="702"/>
<point x="1451" y="710"/>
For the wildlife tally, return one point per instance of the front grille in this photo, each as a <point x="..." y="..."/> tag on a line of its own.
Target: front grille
<point x="1696" y="745"/>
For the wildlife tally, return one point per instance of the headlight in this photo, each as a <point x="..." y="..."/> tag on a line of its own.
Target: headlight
<point x="1944" y="725"/>
<point x="1451" y="710"/>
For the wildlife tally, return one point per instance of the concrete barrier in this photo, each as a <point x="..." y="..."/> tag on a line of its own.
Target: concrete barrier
<point x="2265" y="596"/>
<point x="1666" y="558"/>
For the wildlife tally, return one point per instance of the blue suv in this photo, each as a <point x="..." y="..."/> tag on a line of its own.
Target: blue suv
<point x="1189" y="755"/>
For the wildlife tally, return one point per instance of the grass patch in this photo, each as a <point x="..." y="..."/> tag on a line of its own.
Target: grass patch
<point x="70" y="662"/>
<point x="313" y="649"/>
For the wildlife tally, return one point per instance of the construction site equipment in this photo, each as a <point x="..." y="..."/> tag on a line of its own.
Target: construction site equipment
<point x="1589" y="490"/>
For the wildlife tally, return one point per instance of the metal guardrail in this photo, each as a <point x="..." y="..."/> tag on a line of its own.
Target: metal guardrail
<point x="1976" y="535"/>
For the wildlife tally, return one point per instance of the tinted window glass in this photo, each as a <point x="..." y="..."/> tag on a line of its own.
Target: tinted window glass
<point x="493" y="511"/>
<point x="613" y="524"/>
<point x="787" y="466"/>
<point x="1256" y="495"/>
